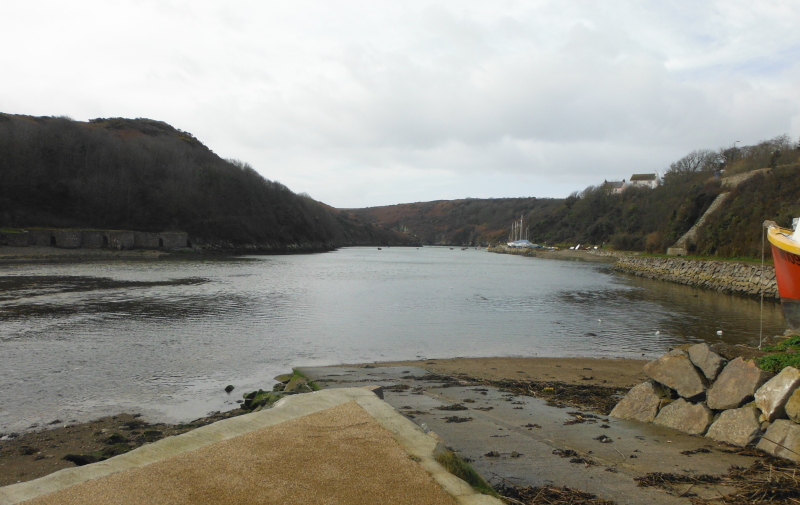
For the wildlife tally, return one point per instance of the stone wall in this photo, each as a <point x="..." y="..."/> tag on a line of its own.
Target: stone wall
<point x="120" y="239"/>
<point x="725" y="276"/>
<point x="145" y="240"/>
<point x="67" y="239"/>
<point x="41" y="237"/>
<point x="174" y="239"/>
<point x="19" y="239"/>
<point x="696" y="391"/>
<point x="94" y="239"/>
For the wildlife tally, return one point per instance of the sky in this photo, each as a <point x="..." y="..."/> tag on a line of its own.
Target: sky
<point x="366" y="103"/>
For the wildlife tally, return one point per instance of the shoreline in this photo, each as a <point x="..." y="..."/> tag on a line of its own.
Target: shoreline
<point x="30" y="455"/>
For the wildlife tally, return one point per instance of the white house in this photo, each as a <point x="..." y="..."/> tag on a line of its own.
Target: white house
<point x="644" y="180"/>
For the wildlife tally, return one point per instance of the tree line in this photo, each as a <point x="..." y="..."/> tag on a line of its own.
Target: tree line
<point x="638" y="218"/>
<point x="141" y="174"/>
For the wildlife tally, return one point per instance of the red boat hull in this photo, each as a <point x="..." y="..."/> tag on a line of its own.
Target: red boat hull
<point x="787" y="274"/>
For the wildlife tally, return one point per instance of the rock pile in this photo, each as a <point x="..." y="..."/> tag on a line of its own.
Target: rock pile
<point x="696" y="391"/>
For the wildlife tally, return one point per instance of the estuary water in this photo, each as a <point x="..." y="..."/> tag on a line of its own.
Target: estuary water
<point x="163" y="338"/>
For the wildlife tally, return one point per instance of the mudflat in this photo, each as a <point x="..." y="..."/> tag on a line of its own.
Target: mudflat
<point x="619" y="372"/>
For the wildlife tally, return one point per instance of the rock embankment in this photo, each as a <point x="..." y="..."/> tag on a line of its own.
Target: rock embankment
<point x="725" y="276"/>
<point x="698" y="392"/>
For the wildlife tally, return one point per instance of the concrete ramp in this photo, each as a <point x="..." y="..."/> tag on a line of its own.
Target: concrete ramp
<point x="343" y="446"/>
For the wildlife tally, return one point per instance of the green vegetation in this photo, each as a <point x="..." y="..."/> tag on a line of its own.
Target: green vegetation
<point x="787" y="354"/>
<point x="790" y="343"/>
<point x="637" y="219"/>
<point x="145" y="175"/>
<point x="463" y="471"/>
<point x="298" y="375"/>
<point x="776" y="362"/>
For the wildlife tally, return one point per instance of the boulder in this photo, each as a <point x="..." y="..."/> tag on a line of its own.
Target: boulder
<point x="706" y="360"/>
<point x="736" y="426"/>
<point x="692" y="418"/>
<point x="782" y="439"/>
<point x="641" y="403"/>
<point x="773" y="395"/>
<point x="792" y="406"/>
<point x="675" y="370"/>
<point x="736" y="385"/>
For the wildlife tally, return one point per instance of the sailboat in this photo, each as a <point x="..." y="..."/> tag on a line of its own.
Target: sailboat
<point x="515" y="239"/>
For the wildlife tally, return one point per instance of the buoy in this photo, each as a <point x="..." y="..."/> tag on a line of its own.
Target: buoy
<point x="719" y="333"/>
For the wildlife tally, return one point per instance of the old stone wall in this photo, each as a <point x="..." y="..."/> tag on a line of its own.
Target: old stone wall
<point x="145" y="240"/>
<point x="41" y="237"/>
<point x="174" y="239"/>
<point x="19" y="239"/>
<point x="93" y="239"/>
<point x="96" y="239"/>
<point x="725" y="276"/>
<point x="67" y="239"/>
<point x="120" y="239"/>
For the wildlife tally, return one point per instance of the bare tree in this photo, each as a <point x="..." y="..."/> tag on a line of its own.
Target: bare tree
<point x="699" y="160"/>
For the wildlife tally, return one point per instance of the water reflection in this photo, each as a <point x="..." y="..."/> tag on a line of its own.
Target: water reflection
<point x="165" y="337"/>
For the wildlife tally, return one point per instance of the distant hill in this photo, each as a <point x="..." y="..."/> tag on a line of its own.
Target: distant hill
<point x="141" y="174"/>
<point x="639" y="219"/>
<point x="596" y="216"/>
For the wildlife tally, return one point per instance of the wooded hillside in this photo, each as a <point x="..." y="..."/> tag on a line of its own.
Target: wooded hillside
<point x="141" y="174"/>
<point x="639" y="219"/>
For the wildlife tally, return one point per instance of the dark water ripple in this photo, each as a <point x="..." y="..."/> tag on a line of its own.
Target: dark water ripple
<point x="164" y="338"/>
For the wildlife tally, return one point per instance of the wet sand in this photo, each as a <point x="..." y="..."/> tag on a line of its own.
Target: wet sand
<point x="581" y="371"/>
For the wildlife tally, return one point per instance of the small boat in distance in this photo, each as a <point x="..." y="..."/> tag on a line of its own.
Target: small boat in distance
<point x="786" y="256"/>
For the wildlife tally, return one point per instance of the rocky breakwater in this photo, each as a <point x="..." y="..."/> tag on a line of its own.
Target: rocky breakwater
<point x="696" y="391"/>
<point x="725" y="276"/>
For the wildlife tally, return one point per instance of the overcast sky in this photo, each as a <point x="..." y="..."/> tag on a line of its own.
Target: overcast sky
<point x="363" y="103"/>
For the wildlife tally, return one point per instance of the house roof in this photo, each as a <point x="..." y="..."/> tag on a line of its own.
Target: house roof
<point x="643" y="177"/>
<point x="615" y="184"/>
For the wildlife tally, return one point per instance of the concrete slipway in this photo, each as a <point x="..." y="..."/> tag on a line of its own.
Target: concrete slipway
<point x="533" y="430"/>
<point x="343" y="446"/>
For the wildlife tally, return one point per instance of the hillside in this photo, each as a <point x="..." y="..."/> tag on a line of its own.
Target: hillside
<point x="141" y="174"/>
<point x="639" y="219"/>
<point x="625" y="221"/>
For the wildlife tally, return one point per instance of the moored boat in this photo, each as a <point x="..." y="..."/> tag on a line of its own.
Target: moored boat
<point x="786" y="256"/>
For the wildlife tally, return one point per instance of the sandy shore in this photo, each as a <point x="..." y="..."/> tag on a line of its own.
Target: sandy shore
<point x="31" y="455"/>
<point x="44" y="254"/>
<point x="585" y="371"/>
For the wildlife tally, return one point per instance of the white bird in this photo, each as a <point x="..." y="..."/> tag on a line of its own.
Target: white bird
<point x="719" y="333"/>
<point x="658" y="332"/>
<point x="599" y="320"/>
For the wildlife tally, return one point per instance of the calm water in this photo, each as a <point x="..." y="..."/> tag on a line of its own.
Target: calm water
<point x="164" y="338"/>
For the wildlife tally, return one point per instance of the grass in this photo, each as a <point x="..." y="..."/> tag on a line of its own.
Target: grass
<point x="463" y="471"/>
<point x="789" y="343"/>
<point x="782" y="358"/>
<point x="738" y="259"/>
